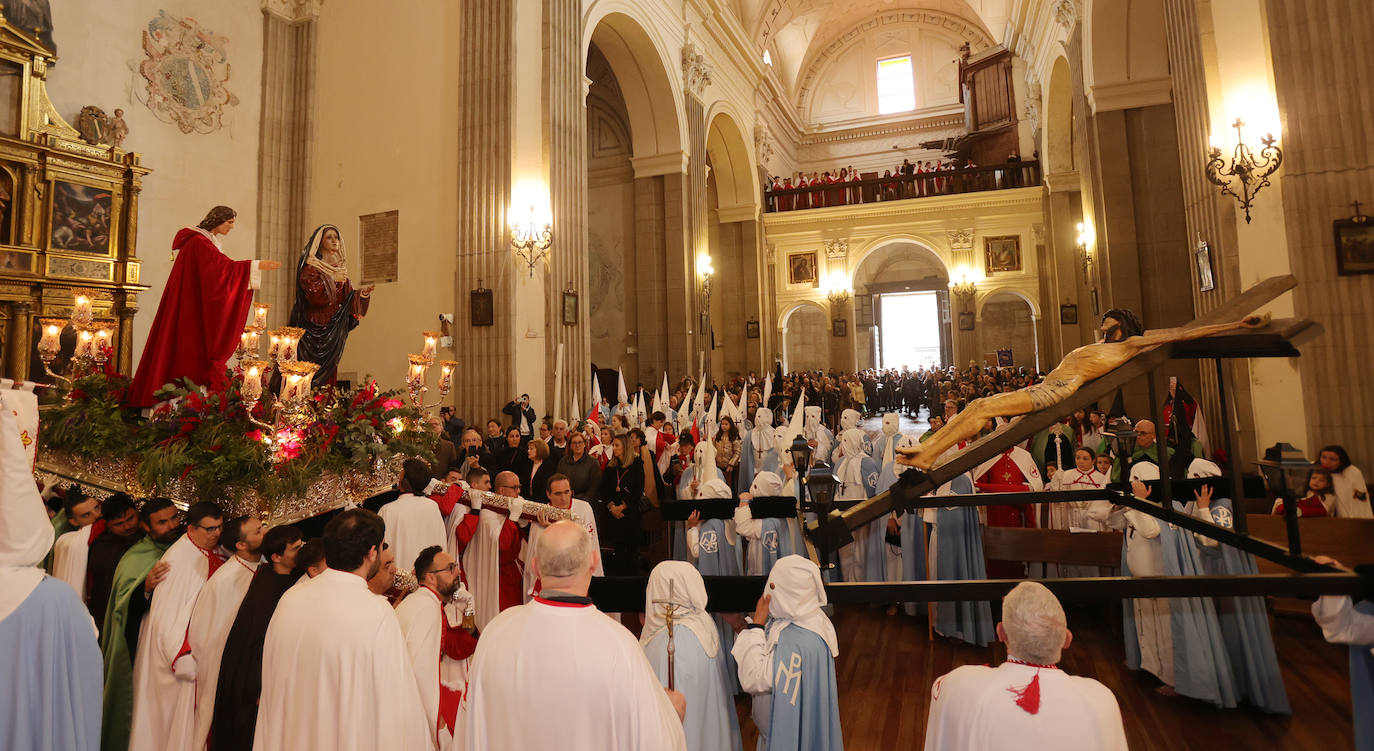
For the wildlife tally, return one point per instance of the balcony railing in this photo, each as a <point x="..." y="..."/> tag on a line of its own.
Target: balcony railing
<point x="872" y="188"/>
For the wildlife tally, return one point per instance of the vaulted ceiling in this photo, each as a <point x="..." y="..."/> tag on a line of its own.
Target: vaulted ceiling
<point x="794" y="31"/>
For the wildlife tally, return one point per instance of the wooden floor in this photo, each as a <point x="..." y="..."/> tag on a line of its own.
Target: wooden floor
<point x="886" y="667"/>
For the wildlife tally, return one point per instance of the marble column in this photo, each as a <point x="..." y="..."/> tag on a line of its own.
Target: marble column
<point x="651" y="250"/>
<point x="698" y="339"/>
<point x="288" y="90"/>
<point x="485" y="380"/>
<point x="18" y="341"/>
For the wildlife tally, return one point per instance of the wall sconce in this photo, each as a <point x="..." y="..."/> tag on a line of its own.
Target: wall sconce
<point x="707" y="270"/>
<point x="531" y="239"/>
<point x="1084" y="244"/>
<point x="965" y="287"/>
<point x="837" y="288"/>
<point x="1252" y="174"/>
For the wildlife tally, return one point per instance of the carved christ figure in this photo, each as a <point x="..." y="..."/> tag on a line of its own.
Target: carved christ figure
<point x="1123" y="339"/>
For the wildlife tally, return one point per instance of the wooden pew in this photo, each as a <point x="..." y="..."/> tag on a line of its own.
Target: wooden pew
<point x="1053" y="546"/>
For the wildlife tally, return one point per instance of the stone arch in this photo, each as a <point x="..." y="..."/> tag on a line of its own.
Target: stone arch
<point x="804" y="332"/>
<point x="653" y="96"/>
<point x="1060" y="152"/>
<point x="857" y="259"/>
<point x="732" y="163"/>
<point x="992" y="295"/>
<point x="999" y="326"/>
<point x="1125" y="53"/>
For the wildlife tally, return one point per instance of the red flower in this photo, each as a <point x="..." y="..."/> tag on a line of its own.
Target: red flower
<point x="393" y="403"/>
<point x="255" y="436"/>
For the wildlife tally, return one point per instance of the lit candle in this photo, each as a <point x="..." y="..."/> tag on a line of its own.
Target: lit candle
<point x="84" y="339"/>
<point x="81" y="311"/>
<point x="51" y="343"/>
<point x="101" y="349"/>
<point x="290" y="337"/>
<point x="260" y="314"/>
<point x="446" y="368"/>
<point x="249" y="341"/>
<point x="292" y="388"/>
<point x="431" y="345"/>
<point x="274" y="345"/>
<point x="415" y="378"/>
<point x="296" y="378"/>
<point x="252" y="370"/>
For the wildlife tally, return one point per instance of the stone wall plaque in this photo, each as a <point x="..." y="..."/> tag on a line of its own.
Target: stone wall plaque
<point x="379" y="240"/>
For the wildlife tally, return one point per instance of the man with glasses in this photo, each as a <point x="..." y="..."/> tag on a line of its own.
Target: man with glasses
<point x="439" y="648"/>
<point x="163" y="662"/>
<point x="489" y="544"/>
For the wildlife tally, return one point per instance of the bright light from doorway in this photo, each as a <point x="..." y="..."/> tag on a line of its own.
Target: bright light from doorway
<point x="911" y="330"/>
<point x="896" y="85"/>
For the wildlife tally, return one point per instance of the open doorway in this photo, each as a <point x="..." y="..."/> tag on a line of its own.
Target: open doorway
<point x="911" y="334"/>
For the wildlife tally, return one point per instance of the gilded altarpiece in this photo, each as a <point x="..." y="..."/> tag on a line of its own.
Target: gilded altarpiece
<point x="68" y="217"/>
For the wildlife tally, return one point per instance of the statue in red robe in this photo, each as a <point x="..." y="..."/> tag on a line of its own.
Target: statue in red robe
<point x="326" y="306"/>
<point x="202" y="312"/>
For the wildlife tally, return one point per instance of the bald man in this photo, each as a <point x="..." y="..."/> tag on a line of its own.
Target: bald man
<point x="488" y="542"/>
<point x="592" y="685"/>
<point x="1146" y="450"/>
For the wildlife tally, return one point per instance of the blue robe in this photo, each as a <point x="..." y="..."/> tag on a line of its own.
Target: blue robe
<point x="959" y="555"/>
<point x="874" y="562"/>
<point x="53" y="671"/>
<point x="749" y="469"/>
<point x="913" y="532"/>
<point x="1362" y="687"/>
<point x="684" y="492"/>
<point x="803" y="710"/>
<point x="711" y="723"/>
<point x="718" y="557"/>
<point x="1202" y="667"/>
<point x="1245" y="624"/>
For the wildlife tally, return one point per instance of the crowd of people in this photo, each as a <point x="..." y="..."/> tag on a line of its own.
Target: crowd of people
<point x="846" y="185"/>
<point x="439" y="602"/>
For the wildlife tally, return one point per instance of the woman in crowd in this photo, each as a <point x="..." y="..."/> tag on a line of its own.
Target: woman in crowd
<point x="583" y="471"/>
<point x="622" y="487"/>
<point x="510" y="455"/>
<point x="535" y="472"/>
<point x="728" y="444"/>
<point x="1352" y="495"/>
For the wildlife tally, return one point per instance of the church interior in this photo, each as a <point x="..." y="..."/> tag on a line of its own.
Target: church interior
<point x="731" y="190"/>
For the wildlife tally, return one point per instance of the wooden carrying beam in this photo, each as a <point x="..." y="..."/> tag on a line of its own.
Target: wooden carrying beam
<point x="836" y="530"/>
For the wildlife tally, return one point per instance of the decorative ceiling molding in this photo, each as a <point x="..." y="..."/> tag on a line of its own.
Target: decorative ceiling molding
<point x="837" y="250"/>
<point x="1131" y="94"/>
<point x="1066" y="14"/>
<point x="960" y="239"/>
<point x="294" y="11"/>
<point x="992" y="202"/>
<point x="967" y="31"/>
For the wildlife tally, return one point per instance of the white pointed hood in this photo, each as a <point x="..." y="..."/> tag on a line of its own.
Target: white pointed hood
<point x="26" y="534"/>
<point x="796" y="596"/>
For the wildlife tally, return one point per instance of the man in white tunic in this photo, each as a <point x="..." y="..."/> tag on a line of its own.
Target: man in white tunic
<point x="1026" y="702"/>
<point x="439" y="648"/>
<point x="413" y="521"/>
<point x="69" y="552"/>
<point x="335" y="672"/>
<point x="164" y="666"/>
<point x="559" y="674"/>
<point x="213" y="614"/>
<point x="560" y="496"/>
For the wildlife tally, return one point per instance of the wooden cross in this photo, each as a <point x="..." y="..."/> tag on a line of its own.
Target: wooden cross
<point x="1355" y="205"/>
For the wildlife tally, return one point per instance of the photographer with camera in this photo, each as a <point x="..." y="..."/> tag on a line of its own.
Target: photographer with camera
<point x="522" y="415"/>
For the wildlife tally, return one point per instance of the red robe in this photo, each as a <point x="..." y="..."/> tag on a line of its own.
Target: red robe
<point x="1005" y="477"/>
<point x="510" y="577"/>
<point x="199" y="319"/>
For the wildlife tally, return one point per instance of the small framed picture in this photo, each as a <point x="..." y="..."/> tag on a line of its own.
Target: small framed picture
<point x="839" y="327"/>
<point x="966" y="320"/>
<point x="802" y="268"/>
<point x="483" y="307"/>
<point x="1354" y="245"/>
<point x="569" y="307"/>
<point x="1002" y="253"/>
<point x="1068" y="314"/>
<point x="751" y="329"/>
<point x="1203" y="256"/>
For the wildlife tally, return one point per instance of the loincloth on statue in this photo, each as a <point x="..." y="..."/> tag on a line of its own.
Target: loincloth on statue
<point x="1051" y="391"/>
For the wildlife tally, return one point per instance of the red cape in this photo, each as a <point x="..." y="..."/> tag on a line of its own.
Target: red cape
<point x="199" y="319"/>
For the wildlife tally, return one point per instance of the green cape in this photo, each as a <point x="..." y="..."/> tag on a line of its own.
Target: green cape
<point x="118" y="700"/>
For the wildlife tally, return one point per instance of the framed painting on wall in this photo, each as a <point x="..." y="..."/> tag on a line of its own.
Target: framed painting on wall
<point x="483" y="307"/>
<point x="1354" y="245"/>
<point x="802" y="268"/>
<point x="839" y="327"/>
<point x="569" y="307"/>
<point x="751" y="329"/>
<point x="80" y="218"/>
<point x="966" y="321"/>
<point x="1203" y="255"/>
<point x="1002" y="253"/>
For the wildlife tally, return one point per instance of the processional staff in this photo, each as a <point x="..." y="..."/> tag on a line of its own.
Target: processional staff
<point x="669" y="613"/>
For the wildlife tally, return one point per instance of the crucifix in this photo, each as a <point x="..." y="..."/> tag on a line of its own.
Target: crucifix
<point x="669" y="615"/>
<point x="1357" y="216"/>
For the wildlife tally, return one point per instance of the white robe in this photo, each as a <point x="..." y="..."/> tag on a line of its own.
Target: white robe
<point x="1352" y="495"/>
<point x="422" y="624"/>
<point x="481" y="561"/>
<point x="158" y="691"/>
<point x="213" y="614"/>
<point x="563" y="677"/>
<point x="582" y="512"/>
<point x="974" y="707"/>
<point x="413" y="523"/>
<point x="335" y="673"/>
<point x="69" y="559"/>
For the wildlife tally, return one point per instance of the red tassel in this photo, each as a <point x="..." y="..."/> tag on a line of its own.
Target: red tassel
<point x="1028" y="697"/>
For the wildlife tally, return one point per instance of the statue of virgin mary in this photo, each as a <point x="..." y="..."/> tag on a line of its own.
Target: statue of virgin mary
<point x="326" y="306"/>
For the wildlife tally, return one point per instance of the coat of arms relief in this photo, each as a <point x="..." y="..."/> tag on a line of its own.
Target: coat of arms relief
<point x="186" y="70"/>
